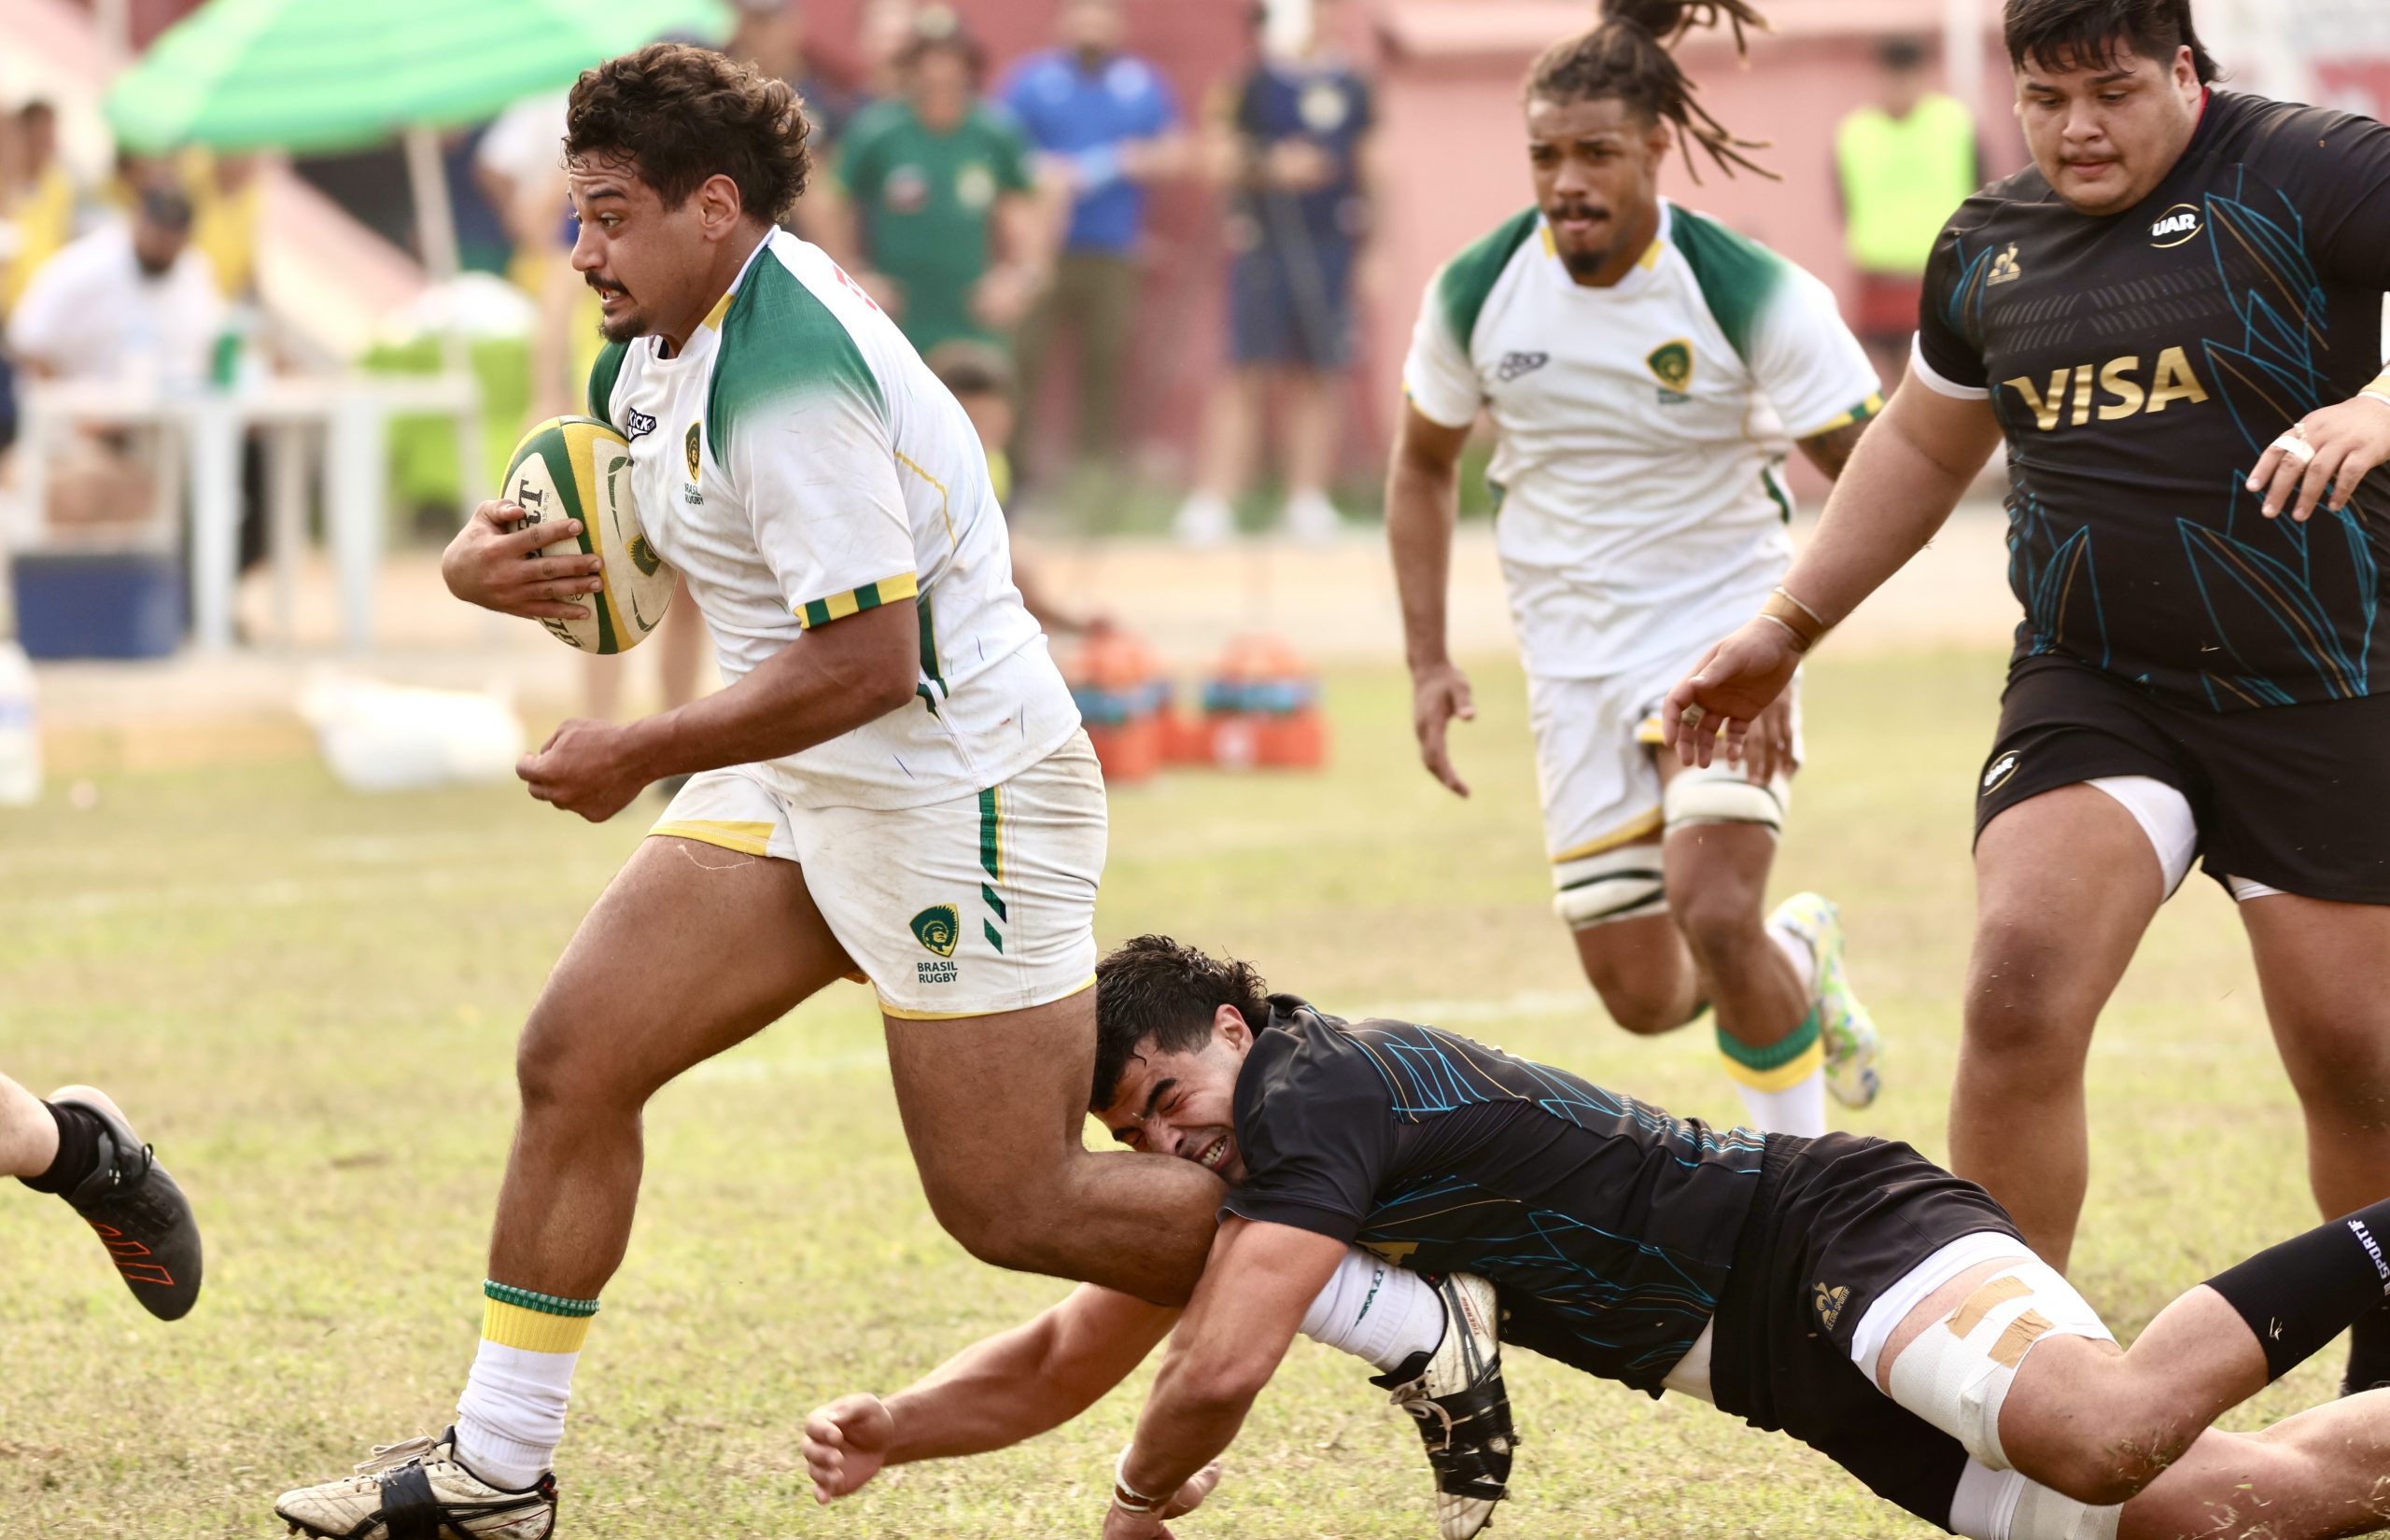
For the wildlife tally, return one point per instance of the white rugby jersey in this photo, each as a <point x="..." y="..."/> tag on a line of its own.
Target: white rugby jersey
<point x="799" y="463"/>
<point x="1641" y="430"/>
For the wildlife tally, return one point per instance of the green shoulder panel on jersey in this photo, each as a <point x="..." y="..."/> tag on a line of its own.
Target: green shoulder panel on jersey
<point x="1469" y="277"/>
<point x="1736" y="273"/>
<point x="780" y="344"/>
<point x="602" y="375"/>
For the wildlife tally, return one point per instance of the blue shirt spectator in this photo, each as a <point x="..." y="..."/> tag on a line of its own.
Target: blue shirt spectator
<point x="1082" y="109"/>
<point x="1321" y="103"/>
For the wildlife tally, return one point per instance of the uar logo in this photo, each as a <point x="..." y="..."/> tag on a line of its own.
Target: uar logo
<point x="2001" y="769"/>
<point x="2175" y="226"/>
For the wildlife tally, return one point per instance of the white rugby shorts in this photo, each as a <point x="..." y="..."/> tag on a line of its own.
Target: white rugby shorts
<point x="1595" y="746"/>
<point x="968" y="907"/>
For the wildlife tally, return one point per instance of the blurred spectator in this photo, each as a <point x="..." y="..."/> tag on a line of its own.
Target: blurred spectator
<point x="937" y="189"/>
<point x="518" y="164"/>
<point x="36" y="198"/>
<point x="1902" y="163"/>
<point x="883" y="31"/>
<point x="226" y="194"/>
<point x="131" y="301"/>
<point x="1108" y="125"/>
<point x="981" y="378"/>
<point x="1292" y="143"/>
<point x="771" y="36"/>
<point x="131" y="304"/>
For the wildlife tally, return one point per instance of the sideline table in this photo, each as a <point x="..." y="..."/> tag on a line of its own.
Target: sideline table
<point x="203" y="431"/>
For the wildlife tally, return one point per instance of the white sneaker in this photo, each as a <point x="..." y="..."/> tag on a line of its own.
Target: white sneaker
<point x="1311" y="519"/>
<point x="1456" y="1395"/>
<point x="1204" y="520"/>
<point x="418" y="1489"/>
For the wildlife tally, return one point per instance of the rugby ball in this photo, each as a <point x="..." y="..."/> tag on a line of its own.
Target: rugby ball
<point x="579" y="468"/>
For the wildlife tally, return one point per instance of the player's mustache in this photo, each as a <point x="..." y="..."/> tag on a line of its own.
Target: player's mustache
<point x="1576" y="211"/>
<point x="602" y="287"/>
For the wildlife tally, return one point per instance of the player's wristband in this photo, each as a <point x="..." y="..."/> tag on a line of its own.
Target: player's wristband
<point x="2378" y="395"/>
<point x="1807" y="626"/>
<point x="1126" y="1498"/>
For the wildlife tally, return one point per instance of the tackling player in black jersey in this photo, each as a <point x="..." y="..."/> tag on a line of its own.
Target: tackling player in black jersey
<point x="1843" y="1290"/>
<point x="2171" y="318"/>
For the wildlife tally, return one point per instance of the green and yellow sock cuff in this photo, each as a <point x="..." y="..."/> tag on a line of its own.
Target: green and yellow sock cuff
<point x="1780" y="1065"/>
<point x="534" y="1321"/>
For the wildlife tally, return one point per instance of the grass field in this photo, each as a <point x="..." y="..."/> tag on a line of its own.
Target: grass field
<point x="309" y="1000"/>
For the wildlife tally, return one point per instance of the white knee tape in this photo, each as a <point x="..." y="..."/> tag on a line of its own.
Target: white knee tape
<point x="1956" y="1375"/>
<point x="1993" y="1505"/>
<point x="1619" y="883"/>
<point x="1722" y="795"/>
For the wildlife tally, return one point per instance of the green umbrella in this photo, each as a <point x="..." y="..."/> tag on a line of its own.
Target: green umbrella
<point x="318" y="76"/>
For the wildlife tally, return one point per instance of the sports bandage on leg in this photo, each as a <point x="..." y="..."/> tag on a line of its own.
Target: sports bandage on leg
<point x="1623" y="883"/>
<point x="1956" y="1374"/>
<point x="1993" y="1505"/>
<point x="1719" y="793"/>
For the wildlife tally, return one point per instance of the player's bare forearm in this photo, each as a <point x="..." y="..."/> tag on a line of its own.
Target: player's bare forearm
<point x="832" y="679"/>
<point x="1260" y="1280"/>
<point x="1034" y="1377"/>
<point x="1422" y="507"/>
<point x="1905" y="474"/>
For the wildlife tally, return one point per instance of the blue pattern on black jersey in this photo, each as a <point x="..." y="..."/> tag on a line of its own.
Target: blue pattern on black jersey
<point x="2275" y="375"/>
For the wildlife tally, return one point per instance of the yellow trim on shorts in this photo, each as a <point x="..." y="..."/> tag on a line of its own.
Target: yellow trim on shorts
<point x="1639" y="828"/>
<point x="747" y="837"/>
<point x="888" y="1010"/>
<point x="1784" y="1076"/>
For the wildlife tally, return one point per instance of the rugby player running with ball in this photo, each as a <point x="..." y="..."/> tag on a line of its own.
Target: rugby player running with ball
<point x="894" y="785"/>
<point x="2170" y="319"/>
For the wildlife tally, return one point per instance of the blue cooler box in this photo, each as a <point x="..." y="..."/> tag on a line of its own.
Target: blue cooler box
<point x="98" y="604"/>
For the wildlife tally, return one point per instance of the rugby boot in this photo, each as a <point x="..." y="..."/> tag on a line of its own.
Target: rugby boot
<point x="419" y="1490"/>
<point x="1849" y="1032"/>
<point x="137" y="1211"/>
<point x="1456" y="1395"/>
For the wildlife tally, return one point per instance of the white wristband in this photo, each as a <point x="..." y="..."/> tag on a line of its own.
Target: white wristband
<point x="1126" y="1497"/>
<point x="2379" y="398"/>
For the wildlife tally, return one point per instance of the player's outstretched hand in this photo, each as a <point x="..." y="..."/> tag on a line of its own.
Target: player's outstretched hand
<point x="1727" y="691"/>
<point x="2322" y="457"/>
<point x="585" y="767"/>
<point x="845" y="1443"/>
<point x="490" y="563"/>
<point x="1439" y="694"/>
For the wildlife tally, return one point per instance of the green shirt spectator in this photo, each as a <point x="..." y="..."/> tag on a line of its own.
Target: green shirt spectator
<point x="927" y="196"/>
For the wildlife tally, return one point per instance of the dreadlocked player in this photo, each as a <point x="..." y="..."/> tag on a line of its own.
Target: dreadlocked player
<point x="1646" y="371"/>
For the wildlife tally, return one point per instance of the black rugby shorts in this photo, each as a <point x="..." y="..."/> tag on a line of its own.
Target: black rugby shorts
<point x="2291" y="796"/>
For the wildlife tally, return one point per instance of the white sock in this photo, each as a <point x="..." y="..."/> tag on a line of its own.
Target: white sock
<point x="1796" y="952"/>
<point x="511" y="1418"/>
<point x="1377" y="1312"/>
<point x="1798" y="1109"/>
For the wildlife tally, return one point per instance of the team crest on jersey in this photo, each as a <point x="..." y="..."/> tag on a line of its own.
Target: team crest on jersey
<point x="1829" y="1303"/>
<point x="1672" y="364"/>
<point x="640" y="424"/>
<point x="689" y="447"/>
<point x="2003" y="267"/>
<point x="1515" y="364"/>
<point x="2175" y="226"/>
<point x="938" y="928"/>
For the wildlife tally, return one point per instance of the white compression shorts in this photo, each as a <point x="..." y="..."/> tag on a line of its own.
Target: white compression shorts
<point x="2164" y="815"/>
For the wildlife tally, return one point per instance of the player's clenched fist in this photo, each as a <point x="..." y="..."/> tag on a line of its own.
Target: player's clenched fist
<point x="845" y="1443"/>
<point x="491" y="562"/>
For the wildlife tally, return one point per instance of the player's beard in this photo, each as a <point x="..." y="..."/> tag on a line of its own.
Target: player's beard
<point x="623" y="325"/>
<point x="1580" y="262"/>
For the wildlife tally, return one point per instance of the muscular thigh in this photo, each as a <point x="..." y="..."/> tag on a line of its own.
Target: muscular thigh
<point x="692" y="949"/>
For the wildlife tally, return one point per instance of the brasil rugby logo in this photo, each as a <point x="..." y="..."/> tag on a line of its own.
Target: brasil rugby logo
<point x="690" y="445"/>
<point x="938" y="928"/>
<point x="1672" y="364"/>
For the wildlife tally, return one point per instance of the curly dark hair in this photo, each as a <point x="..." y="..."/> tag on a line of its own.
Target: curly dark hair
<point x="1154" y="988"/>
<point x="682" y="114"/>
<point x="1627" y="56"/>
<point x="2087" y="34"/>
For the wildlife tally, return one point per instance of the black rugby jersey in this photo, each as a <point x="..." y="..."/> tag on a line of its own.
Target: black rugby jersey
<point x="2141" y="362"/>
<point x="1607" y="1225"/>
